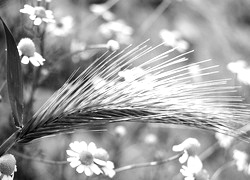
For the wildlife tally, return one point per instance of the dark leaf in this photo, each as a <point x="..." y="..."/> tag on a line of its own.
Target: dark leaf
<point x="14" y="77"/>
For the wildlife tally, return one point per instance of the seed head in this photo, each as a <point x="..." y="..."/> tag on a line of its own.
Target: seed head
<point x="159" y="89"/>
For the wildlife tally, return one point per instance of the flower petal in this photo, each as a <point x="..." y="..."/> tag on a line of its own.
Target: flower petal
<point x="32" y="17"/>
<point x="100" y="162"/>
<point x="184" y="157"/>
<point x="80" y="168"/>
<point x="20" y="52"/>
<point x="95" y="169"/>
<point x="25" y="60"/>
<point x="178" y="148"/>
<point x="72" y="153"/>
<point x="83" y="145"/>
<point x="108" y="172"/>
<point x="34" y="61"/>
<point x="6" y="177"/>
<point x="194" y="164"/>
<point x="110" y="165"/>
<point x="39" y="58"/>
<point x="92" y="148"/>
<point x="37" y="21"/>
<point x="74" y="164"/>
<point x="88" y="171"/>
<point x="75" y="146"/>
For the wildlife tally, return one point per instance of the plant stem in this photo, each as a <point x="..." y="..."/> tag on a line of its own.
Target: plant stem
<point x="154" y="16"/>
<point x="8" y="143"/>
<point x="222" y="168"/>
<point x="147" y="164"/>
<point x="46" y="161"/>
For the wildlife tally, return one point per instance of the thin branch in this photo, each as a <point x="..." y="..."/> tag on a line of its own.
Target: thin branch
<point x="154" y="16"/>
<point x="147" y="164"/>
<point x="222" y="168"/>
<point x="209" y="151"/>
<point x="2" y="86"/>
<point x="46" y="161"/>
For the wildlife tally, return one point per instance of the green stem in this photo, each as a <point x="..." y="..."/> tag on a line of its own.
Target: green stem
<point x="147" y="164"/>
<point x="222" y="168"/>
<point x="8" y="143"/>
<point x="154" y="16"/>
<point x="45" y="161"/>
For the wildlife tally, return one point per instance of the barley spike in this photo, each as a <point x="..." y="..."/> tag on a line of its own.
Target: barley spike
<point x="158" y="90"/>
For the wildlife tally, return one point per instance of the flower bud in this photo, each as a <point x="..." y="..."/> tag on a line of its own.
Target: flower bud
<point x="113" y="45"/>
<point x="120" y="131"/>
<point x="7" y="164"/>
<point x="101" y="154"/>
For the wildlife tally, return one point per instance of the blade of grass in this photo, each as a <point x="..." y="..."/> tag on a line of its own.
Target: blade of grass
<point x="14" y="77"/>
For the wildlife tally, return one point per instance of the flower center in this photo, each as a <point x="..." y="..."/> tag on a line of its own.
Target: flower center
<point x="86" y="158"/>
<point x="7" y="164"/>
<point x="27" y="47"/>
<point x="59" y="24"/>
<point x="40" y="12"/>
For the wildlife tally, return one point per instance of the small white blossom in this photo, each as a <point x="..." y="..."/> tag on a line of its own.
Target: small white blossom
<point x="7" y="167"/>
<point x="173" y="39"/>
<point x="150" y="139"/>
<point x="118" y="29"/>
<point x="61" y="28"/>
<point x="241" y="69"/>
<point x="113" y="45"/>
<point x="133" y="74"/>
<point x="224" y="141"/>
<point x="90" y="159"/>
<point x="189" y="148"/>
<point x="38" y="14"/>
<point x="102" y="10"/>
<point x="241" y="161"/>
<point x="193" y="168"/>
<point x="27" y="51"/>
<point x="120" y="131"/>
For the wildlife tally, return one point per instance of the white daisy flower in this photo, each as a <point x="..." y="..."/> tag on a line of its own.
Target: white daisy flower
<point x="38" y="14"/>
<point x="27" y="51"/>
<point x="61" y="28"/>
<point x="7" y="167"/>
<point x="90" y="159"/>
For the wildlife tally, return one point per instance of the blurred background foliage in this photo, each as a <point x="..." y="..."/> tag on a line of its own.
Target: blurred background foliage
<point x="218" y="30"/>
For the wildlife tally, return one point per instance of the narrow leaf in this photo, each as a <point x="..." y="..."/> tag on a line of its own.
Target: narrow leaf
<point x="14" y="77"/>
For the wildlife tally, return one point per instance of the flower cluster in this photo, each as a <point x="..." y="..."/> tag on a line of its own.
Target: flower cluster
<point x="173" y="39"/>
<point x="90" y="159"/>
<point x="62" y="28"/>
<point x="241" y="161"/>
<point x="102" y="10"/>
<point x="7" y="167"/>
<point x="194" y="167"/>
<point x="117" y="30"/>
<point x="241" y="69"/>
<point x="27" y="51"/>
<point x="224" y="141"/>
<point x="38" y="14"/>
